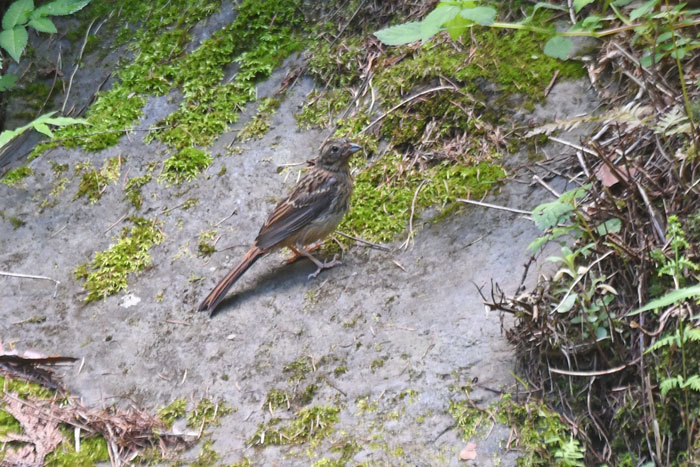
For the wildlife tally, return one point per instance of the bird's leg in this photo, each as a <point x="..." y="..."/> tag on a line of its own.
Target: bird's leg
<point x="319" y="264"/>
<point x="298" y="255"/>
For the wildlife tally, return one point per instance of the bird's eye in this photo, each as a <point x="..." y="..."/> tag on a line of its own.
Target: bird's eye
<point x="334" y="148"/>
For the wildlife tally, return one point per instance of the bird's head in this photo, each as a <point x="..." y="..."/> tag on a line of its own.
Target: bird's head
<point x="335" y="154"/>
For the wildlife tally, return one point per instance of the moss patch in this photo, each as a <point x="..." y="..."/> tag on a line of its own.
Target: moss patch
<point x="207" y="413"/>
<point x="107" y="273"/>
<point x="184" y="165"/>
<point x="93" y="182"/>
<point x="132" y="190"/>
<point x="15" y="176"/>
<point x="309" y="425"/>
<point x="541" y="435"/>
<point x="171" y="412"/>
<point x="260" y="123"/>
<point x="383" y="196"/>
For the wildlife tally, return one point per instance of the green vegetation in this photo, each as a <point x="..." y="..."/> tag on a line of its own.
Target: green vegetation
<point x="132" y="190"/>
<point x="16" y="222"/>
<point x="308" y="425"/>
<point x="184" y="165"/>
<point x="15" y="176"/>
<point x="93" y="182"/>
<point x="207" y="413"/>
<point x="207" y="456"/>
<point x="259" y="124"/>
<point x="541" y="435"/>
<point x="171" y="412"/>
<point x="107" y="273"/>
<point x="205" y="247"/>
<point x="382" y="201"/>
<point x="92" y="451"/>
<point x="298" y="369"/>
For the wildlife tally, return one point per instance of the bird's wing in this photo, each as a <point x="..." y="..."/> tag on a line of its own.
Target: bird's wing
<point x="311" y="196"/>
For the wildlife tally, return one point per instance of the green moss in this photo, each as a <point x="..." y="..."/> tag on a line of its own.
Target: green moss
<point x="277" y="398"/>
<point x="261" y="36"/>
<point x="16" y="222"/>
<point x="378" y="363"/>
<point x="207" y="413"/>
<point x="132" y="190"/>
<point x="15" y="176"/>
<point x="383" y="195"/>
<point x="171" y="412"/>
<point x="184" y="165"/>
<point x="309" y="425"/>
<point x="541" y="435"/>
<point x="341" y="370"/>
<point x="108" y="271"/>
<point x="260" y="123"/>
<point x="92" y="451"/>
<point x="321" y="107"/>
<point x="298" y="369"/>
<point x="205" y="248"/>
<point x="207" y="456"/>
<point x="365" y="405"/>
<point x="94" y="182"/>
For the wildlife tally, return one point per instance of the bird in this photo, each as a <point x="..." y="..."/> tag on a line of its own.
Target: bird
<point x="313" y="209"/>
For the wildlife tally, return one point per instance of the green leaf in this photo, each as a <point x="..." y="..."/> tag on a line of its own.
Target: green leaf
<point x="548" y="215"/>
<point x="7" y="136"/>
<point x="592" y="22"/>
<point x="550" y="6"/>
<point x="401" y="34"/>
<point x="43" y="24"/>
<point x="579" y="4"/>
<point x="669" y="299"/>
<point x="643" y="10"/>
<point x="43" y="128"/>
<point x="432" y="23"/>
<point x="7" y="82"/>
<point x="610" y="226"/>
<point x="61" y="7"/>
<point x="568" y="303"/>
<point x="17" y="13"/>
<point x="481" y="15"/>
<point x="456" y="27"/>
<point x="62" y="121"/>
<point x="14" y="41"/>
<point x="558" y="47"/>
<point x="601" y="333"/>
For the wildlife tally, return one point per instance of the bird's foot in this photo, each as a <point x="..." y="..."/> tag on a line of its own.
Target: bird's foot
<point x="327" y="265"/>
<point x="298" y="254"/>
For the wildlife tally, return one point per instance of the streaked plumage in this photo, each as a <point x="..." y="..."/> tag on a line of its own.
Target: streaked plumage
<point x="312" y="210"/>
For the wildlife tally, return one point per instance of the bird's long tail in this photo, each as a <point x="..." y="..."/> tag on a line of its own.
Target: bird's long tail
<point x="215" y="296"/>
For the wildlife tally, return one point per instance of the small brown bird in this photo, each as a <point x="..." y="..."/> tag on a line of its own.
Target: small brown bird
<point x="313" y="209"/>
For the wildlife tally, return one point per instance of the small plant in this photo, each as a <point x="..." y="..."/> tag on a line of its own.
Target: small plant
<point x="259" y="124"/>
<point x="15" y="176"/>
<point x="206" y="246"/>
<point x="108" y="271"/>
<point x="41" y="124"/>
<point x="171" y="412"/>
<point x="21" y="14"/>
<point x="309" y="425"/>
<point x="184" y="165"/>
<point x="94" y="182"/>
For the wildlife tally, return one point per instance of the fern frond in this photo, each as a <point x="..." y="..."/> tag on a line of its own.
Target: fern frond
<point x="693" y="383"/>
<point x="665" y="341"/>
<point x="673" y="122"/>
<point x="634" y="116"/>
<point x="670" y="383"/>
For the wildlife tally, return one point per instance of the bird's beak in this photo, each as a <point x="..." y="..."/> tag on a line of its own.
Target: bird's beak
<point x="353" y="148"/>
